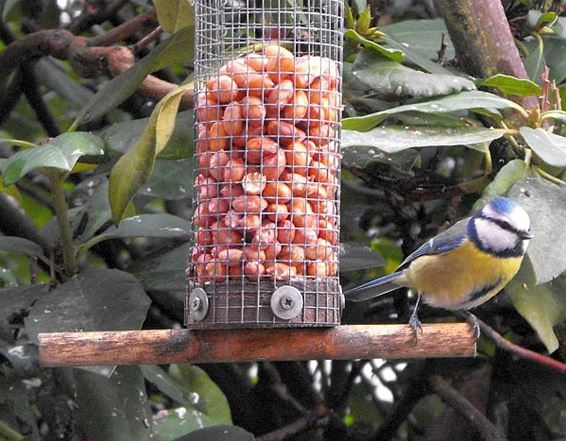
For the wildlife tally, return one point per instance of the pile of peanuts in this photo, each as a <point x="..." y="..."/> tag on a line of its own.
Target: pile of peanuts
<point x="267" y="166"/>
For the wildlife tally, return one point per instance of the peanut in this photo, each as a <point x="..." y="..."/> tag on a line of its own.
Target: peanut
<point x="232" y="119"/>
<point x="249" y="204"/>
<point x="222" y="88"/>
<point x="254" y="183"/>
<point x="277" y="192"/>
<point x="277" y="212"/>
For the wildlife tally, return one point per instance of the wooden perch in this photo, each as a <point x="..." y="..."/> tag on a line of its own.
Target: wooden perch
<point x="241" y="345"/>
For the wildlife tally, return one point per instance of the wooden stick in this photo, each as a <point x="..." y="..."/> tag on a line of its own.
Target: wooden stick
<point x="240" y="345"/>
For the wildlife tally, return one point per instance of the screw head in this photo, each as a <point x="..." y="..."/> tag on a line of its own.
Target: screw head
<point x="286" y="302"/>
<point x="198" y="304"/>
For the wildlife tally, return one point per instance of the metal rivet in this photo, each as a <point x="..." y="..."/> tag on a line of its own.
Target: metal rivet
<point x="198" y="304"/>
<point x="286" y="302"/>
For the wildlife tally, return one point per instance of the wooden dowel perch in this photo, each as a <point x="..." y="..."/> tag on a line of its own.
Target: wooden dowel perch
<point x="176" y="346"/>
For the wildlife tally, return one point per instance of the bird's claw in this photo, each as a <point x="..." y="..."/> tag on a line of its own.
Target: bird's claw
<point x="474" y="323"/>
<point x="416" y="327"/>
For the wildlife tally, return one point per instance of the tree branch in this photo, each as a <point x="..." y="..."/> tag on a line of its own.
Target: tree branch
<point x="125" y="30"/>
<point x="316" y="419"/>
<point x="450" y="396"/>
<point x="483" y="40"/>
<point x="99" y="16"/>
<point x="502" y="343"/>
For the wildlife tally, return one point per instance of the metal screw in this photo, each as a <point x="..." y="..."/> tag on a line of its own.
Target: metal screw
<point x="195" y="306"/>
<point x="198" y="304"/>
<point x="286" y="302"/>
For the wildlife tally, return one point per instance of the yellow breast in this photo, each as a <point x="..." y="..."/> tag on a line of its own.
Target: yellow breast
<point x="460" y="279"/>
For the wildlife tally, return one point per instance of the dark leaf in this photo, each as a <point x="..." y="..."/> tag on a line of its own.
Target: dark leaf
<point x="95" y="300"/>
<point x="389" y="78"/>
<point x="19" y="299"/>
<point x="170" y="180"/>
<point x="115" y="408"/>
<point x="61" y="153"/>
<point x="164" y="271"/>
<point x="20" y="245"/>
<point x="218" y="433"/>
<point x="546" y="204"/>
<point x="421" y="36"/>
<point x="452" y="103"/>
<point x="203" y="403"/>
<point x="393" y="139"/>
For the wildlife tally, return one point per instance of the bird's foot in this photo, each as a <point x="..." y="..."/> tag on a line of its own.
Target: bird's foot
<point x="416" y="326"/>
<point x="474" y="323"/>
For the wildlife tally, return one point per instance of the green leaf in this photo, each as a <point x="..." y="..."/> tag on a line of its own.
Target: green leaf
<point x="452" y="103"/>
<point x="170" y="180"/>
<point x="121" y="137"/>
<point x="173" y="50"/>
<point x="508" y="176"/>
<point x="393" y="139"/>
<point x="150" y="225"/>
<point x="423" y="37"/>
<point x="558" y="115"/>
<point x="546" y="204"/>
<point x="174" y="15"/>
<point x="203" y="403"/>
<point x="356" y="257"/>
<point x="535" y="62"/>
<point x="218" y="433"/>
<point x="389" y="78"/>
<point x="511" y="85"/>
<point x="7" y="6"/>
<point x="393" y="55"/>
<point x="417" y="58"/>
<point x="96" y="211"/>
<point x="115" y="408"/>
<point x="543" y="306"/>
<point x="403" y="161"/>
<point x="20" y="245"/>
<point x="134" y="168"/>
<point x="191" y="387"/>
<point x="20" y="299"/>
<point x="549" y="147"/>
<point x="61" y="153"/>
<point x="164" y="271"/>
<point x="94" y="300"/>
<point x="536" y="19"/>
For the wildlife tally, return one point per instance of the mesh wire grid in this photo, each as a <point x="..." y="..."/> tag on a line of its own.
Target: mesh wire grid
<point x="267" y="161"/>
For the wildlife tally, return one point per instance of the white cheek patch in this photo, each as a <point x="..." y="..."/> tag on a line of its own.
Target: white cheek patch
<point x="518" y="218"/>
<point x="493" y="237"/>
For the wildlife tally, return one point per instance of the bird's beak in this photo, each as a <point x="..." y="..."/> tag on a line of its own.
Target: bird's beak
<point x="526" y="235"/>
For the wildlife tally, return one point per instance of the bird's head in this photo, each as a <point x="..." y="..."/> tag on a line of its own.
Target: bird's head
<point x="502" y="228"/>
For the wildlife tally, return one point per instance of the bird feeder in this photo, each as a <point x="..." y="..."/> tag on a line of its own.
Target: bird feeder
<point x="267" y="164"/>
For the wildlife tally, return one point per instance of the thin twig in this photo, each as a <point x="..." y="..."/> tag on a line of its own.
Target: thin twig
<point x="86" y="20"/>
<point x="318" y="419"/>
<point x="280" y="388"/>
<point x="502" y="343"/>
<point x="450" y="396"/>
<point x="125" y="30"/>
<point x="147" y="40"/>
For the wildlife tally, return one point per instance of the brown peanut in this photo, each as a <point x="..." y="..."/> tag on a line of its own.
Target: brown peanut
<point x="232" y="119"/>
<point x="253" y="110"/>
<point x="277" y="192"/>
<point x="231" y="256"/>
<point x="277" y="212"/>
<point x="258" y="148"/>
<point x="249" y="204"/>
<point x="222" y="89"/>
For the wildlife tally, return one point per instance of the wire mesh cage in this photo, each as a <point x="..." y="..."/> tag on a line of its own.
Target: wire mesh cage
<point x="267" y="164"/>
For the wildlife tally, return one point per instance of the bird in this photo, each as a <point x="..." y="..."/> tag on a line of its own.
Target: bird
<point x="462" y="267"/>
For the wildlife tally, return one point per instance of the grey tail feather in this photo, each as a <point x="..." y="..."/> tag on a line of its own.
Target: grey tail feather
<point x="381" y="285"/>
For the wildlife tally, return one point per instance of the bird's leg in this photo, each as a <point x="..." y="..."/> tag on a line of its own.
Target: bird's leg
<point x="414" y="321"/>
<point x="474" y="323"/>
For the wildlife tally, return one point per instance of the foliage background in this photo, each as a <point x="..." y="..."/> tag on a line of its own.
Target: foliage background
<point x="93" y="129"/>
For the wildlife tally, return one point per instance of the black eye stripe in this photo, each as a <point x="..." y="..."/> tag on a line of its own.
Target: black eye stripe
<point x="502" y="224"/>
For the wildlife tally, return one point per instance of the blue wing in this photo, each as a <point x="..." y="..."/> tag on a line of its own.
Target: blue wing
<point x="446" y="241"/>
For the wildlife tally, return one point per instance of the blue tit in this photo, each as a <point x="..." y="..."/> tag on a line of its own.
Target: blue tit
<point x="464" y="266"/>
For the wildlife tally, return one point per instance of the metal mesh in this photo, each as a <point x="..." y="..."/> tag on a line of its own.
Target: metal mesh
<point x="268" y="110"/>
